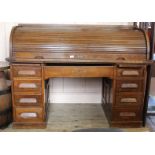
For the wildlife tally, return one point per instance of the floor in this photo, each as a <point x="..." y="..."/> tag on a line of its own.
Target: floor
<point x="150" y="122"/>
<point x="151" y="113"/>
<point x="151" y="105"/>
<point x="70" y="117"/>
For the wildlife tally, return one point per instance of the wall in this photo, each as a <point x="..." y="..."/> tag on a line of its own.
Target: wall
<point x="76" y="90"/>
<point x="62" y="90"/>
<point x="5" y="29"/>
<point x="152" y="87"/>
<point x="2" y="42"/>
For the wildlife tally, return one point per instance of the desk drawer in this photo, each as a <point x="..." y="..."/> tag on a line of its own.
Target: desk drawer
<point x="26" y="71"/>
<point x="129" y="85"/>
<point x="130" y="72"/>
<point x="129" y="99"/>
<point x="78" y="71"/>
<point x="28" y="100"/>
<point x="28" y="115"/>
<point x="27" y="85"/>
<point x="127" y="114"/>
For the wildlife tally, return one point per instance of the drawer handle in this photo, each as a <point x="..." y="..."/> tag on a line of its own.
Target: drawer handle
<point x="129" y="85"/>
<point x="130" y="114"/>
<point x="28" y="115"/>
<point x="130" y="73"/>
<point x="128" y="100"/>
<point x="28" y="72"/>
<point x="80" y="57"/>
<point x="79" y="71"/>
<point x="27" y="85"/>
<point x="39" y="57"/>
<point x="71" y="56"/>
<point x="77" y="56"/>
<point x="28" y="100"/>
<point x="120" y="58"/>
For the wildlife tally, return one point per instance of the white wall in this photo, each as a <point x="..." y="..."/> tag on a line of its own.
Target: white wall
<point x="62" y="90"/>
<point x="2" y="42"/>
<point x="76" y="90"/>
<point x="5" y="29"/>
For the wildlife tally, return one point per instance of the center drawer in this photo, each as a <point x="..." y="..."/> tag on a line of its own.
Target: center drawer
<point x="27" y="85"/>
<point x="78" y="71"/>
<point x="28" y="115"/>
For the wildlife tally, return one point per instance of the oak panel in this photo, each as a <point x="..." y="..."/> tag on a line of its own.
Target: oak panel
<point x="27" y="100"/>
<point x="28" y="115"/>
<point x="26" y="71"/>
<point x="78" y="71"/>
<point x="129" y="85"/>
<point x="130" y="72"/>
<point x="126" y="99"/>
<point x="127" y="114"/>
<point x="27" y="85"/>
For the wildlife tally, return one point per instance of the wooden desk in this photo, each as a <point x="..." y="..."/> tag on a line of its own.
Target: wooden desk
<point x="118" y="55"/>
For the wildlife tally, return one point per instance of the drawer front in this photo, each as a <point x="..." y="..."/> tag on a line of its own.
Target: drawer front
<point x="128" y="114"/>
<point x="78" y="71"/>
<point x="27" y="100"/>
<point x="28" y="115"/>
<point x="130" y="72"/>
<point x="26" y="71"/>
<point x="78" y="55"/>
<point x="27" y="85"/>
<point x="129" y="85"/>
<point x="129" y="99"/>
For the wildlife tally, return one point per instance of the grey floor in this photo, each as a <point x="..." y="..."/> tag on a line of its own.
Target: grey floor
<point x="151" y="104"/>
<point x="70" y="117"/>
<point x="150" y="122"/>
<point x="151" y="113"/>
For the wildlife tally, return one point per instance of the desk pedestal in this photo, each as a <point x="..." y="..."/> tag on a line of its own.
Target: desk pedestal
<point x="123" y="91"/>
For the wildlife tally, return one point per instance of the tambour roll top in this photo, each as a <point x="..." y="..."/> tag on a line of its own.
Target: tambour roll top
<point x="78" y="43"/>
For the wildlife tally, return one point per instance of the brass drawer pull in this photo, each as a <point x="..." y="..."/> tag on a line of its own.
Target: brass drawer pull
<point x="120" y="58"/>
<point x="130" y="114"/>
<point x="76" y="56"/>
<point x="129" y="85"/>
<point x="28" y="115"/>
<point x="128" y="100"/>
<point x="39" y="57"/>
<point x="28" y="100"/>
<point x="27" y="85"/>
<point x="71" y="56"/>
<point x="26" y="72"/>
<point x="79" y="71"/>
<point x="80" y="56"/>
<point x="130" y="73"/>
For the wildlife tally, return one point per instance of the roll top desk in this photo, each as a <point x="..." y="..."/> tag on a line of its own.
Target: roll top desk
<point x="118" y="54"/>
